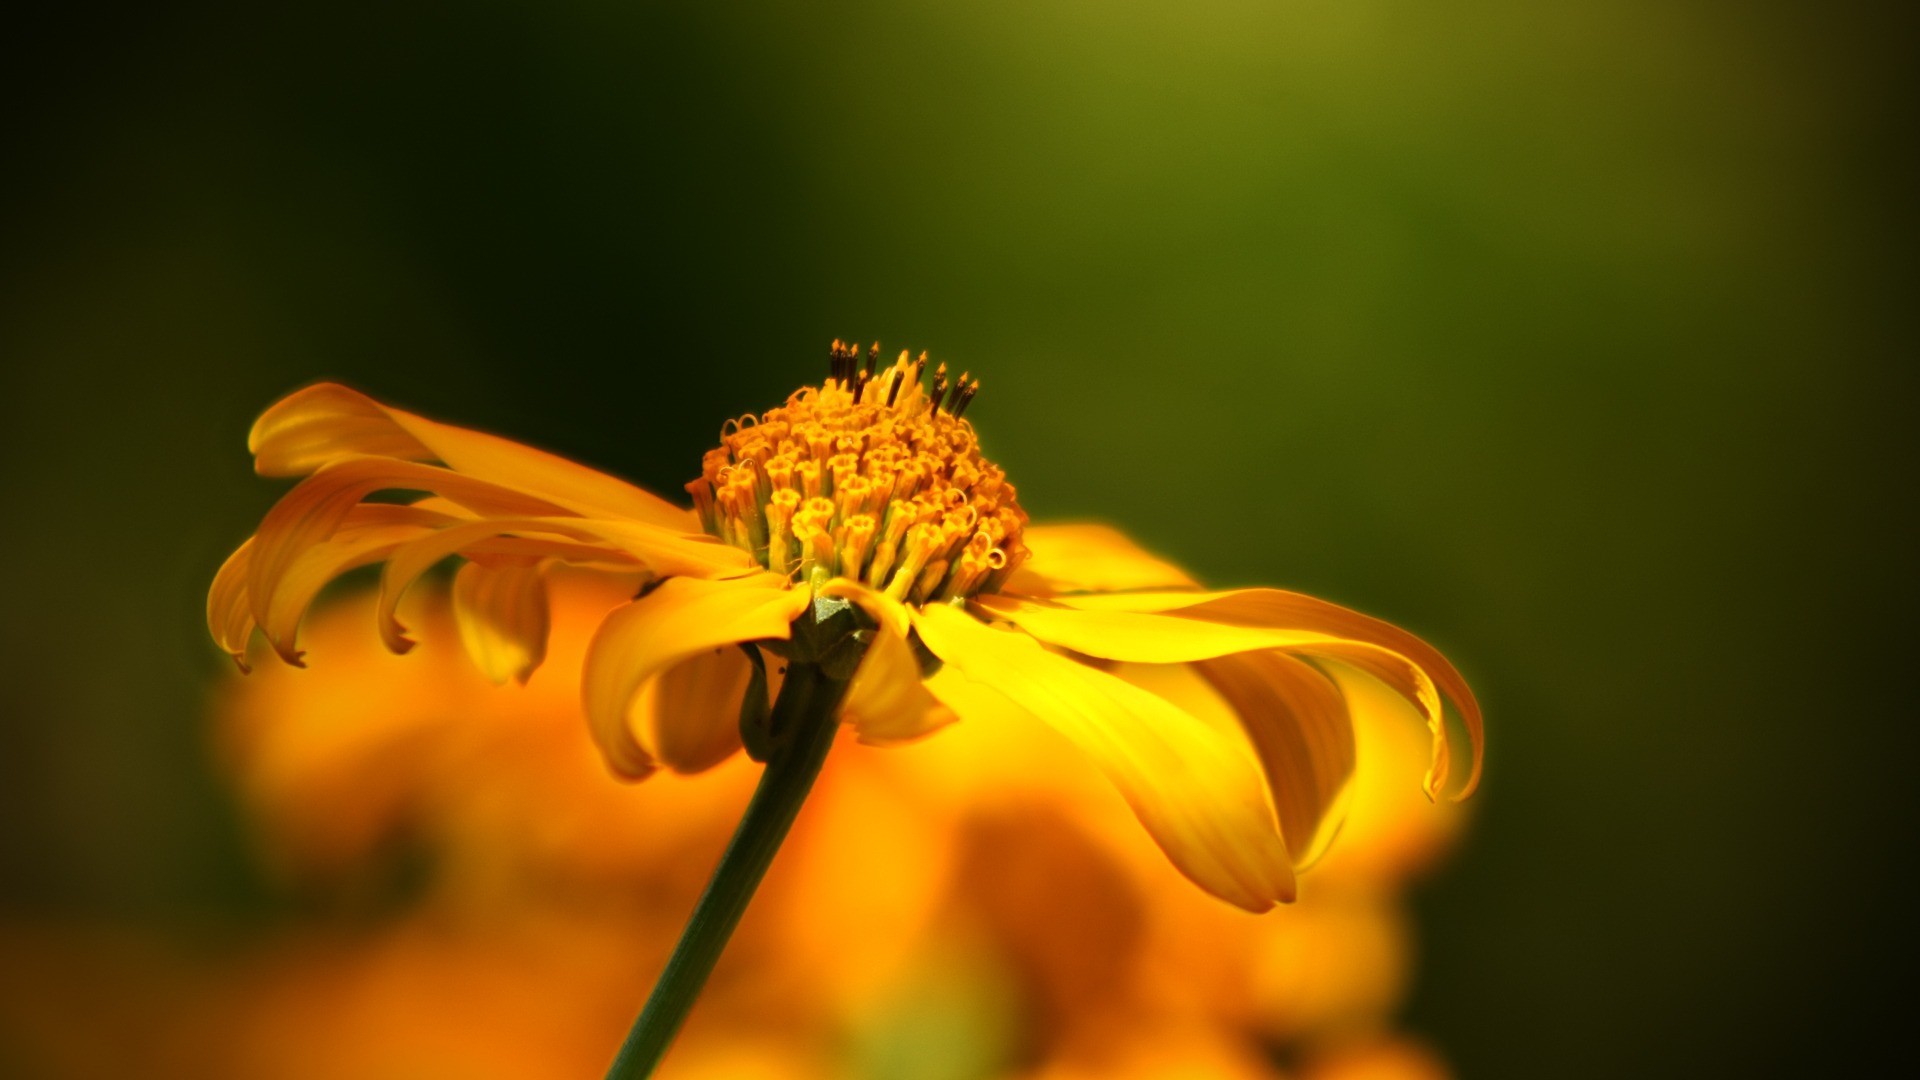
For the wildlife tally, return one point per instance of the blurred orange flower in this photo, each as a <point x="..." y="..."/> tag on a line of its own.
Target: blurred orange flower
<point x="966" y="908"/>
<point x="870" y="491"/>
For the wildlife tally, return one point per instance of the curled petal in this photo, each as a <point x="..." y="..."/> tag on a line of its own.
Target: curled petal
<point x="312" y="427"/>
<point x="1298" y="722"/>
<point x="1141" y="637"/>
<point x="888" y="704"/>
<point x="406" y="563"/>
<point x="1198" y="794"/>
<point x="370" y="533"/>
<point x="891" y="614"/>
<point x="1089" y="558"/>
<point x="578" y="540"/>
<point x="1411" y="666"/>
<point x="680" y="619"/>
<point x="320" y="505"/>
<point x="229" y="617"/>
<point x="693" y="719"/>
<point x="1410" y="681"/>
<point x="501" y="610"/>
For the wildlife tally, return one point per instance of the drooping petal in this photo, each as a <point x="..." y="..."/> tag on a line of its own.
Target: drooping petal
<point x="406" y="563"/>
<point x="891" y="614"/>
<point x="888" y="704"/>
<point x="692" y="718"/>
<point x="312" y="427"/>
<point x="1411" y="682"/>
<point x="320" y="504"/>
<point x="1298" y="721"/>
<point x="1141" y="637"/>
<point x="677" y="620"/>
<point x="1411" y="666"/>
<point x="229" y="618"/>
<point x="1089" y="558"/>
<point x="370" y="533"/>
<point x="501" y="610"/>
<point x="670" y="552"/>
<point x="1198" y="795"/>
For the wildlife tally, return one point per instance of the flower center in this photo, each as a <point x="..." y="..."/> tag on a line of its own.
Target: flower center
<point x="871" y="476"/>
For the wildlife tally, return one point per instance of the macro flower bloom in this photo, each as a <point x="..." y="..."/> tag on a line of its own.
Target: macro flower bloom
<point x="868" y="493"/>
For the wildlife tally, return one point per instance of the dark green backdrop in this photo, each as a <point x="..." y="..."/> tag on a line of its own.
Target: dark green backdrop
<point x="1575" y="336"/>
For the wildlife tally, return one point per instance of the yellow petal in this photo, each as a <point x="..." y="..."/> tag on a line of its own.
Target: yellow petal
<point x="888" y="704"/>
<point x="1198" y="794"/>
<point x="1410" y="681"/>
<point x="320" y="424"/>
<point x="891" y="614"/>
<point x="1411" y="666"/>
<point x="1089" y="558"/>
<point x="1299" y="725"/>
<point x="229" y="617"/>
<point x="370" y="533"/>
<point x="501" y="610"/>
<point x="678" y="620"/>
<point x="693" y="710"/>
<point x="669" y="552"/>
<point x="320" y="504"/>
<point x="1140" y="637"/>
<point x="407" y="562"/>
<point x="612" y="545"/>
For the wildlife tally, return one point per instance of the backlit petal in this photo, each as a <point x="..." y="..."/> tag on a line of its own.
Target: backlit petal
<point x="1411" y="666"/>
<point x="1299" y="725"/>
<point x="692" y="720"/>
<point x="1089" y="558"/>
<point x="678" y="620"/>
<point x="501" y="610"/>
<point x="311" y="427"/>
<point x="1198" y="794"/>
<point x="1140" y="637"/>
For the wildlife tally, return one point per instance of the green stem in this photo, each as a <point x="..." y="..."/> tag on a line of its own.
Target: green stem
<point x="803" y="720"/>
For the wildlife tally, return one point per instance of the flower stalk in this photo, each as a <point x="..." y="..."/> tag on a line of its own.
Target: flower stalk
<point x="824" y="652"/>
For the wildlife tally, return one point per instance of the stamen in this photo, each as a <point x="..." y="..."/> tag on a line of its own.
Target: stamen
<point x="939" y="386"/>
<point x="887" y="489"/>
<point x="965" y="397"/>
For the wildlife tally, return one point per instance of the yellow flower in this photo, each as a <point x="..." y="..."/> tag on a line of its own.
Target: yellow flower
<point x="978" y="886"/>
<point x="869" y="490"/>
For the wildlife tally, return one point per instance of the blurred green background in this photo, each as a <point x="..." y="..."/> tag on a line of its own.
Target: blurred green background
<point x="1575" y="337"/>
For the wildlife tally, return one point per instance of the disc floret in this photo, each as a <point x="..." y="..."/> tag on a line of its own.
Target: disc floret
<point x="870" y="476"/>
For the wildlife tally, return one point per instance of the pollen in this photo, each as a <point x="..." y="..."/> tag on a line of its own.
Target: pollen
<point x="873" y="476"/>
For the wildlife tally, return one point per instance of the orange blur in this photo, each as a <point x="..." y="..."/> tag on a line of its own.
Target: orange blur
<point x="470" y="893"/>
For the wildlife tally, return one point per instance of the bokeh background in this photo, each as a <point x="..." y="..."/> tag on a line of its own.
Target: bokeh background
<point x="1574" y="337"/>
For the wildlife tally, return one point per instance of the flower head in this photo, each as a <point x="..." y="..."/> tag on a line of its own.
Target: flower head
<point x="870" y="478"/>
<point x="867" y="495"/>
